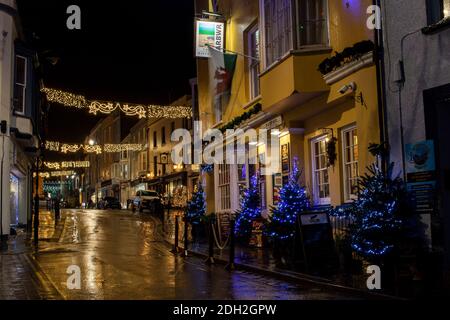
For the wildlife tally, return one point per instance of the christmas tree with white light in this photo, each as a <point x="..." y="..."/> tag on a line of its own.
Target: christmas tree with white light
<point x="293" y="201"/>
<point x="249" y="211"/>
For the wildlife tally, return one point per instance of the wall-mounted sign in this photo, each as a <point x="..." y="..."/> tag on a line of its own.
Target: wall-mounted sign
<point x="421" y="175"/>
<point x="277" y="184"/>
<point x="208" y="33"/>
<point x="273" y="124"/>
<point x="285" y="158"/>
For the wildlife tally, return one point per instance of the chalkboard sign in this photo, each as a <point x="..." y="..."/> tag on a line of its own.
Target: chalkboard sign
<point x="224" y="225"/>
<point x="317" y="240"/>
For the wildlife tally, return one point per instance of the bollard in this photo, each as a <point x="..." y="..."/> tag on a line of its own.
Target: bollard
<point x="210" y="259"/>
<point x="230" y="266"/>
<point x="175" y="245"/>
<point x="186" y="236"/>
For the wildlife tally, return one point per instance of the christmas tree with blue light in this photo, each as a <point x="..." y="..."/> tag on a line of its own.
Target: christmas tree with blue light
<point x="250" y="210"/>
<point x="196" y="207"/>
<point x="293" y="201"/>
<point x="379" y="216"/>
<point x="376" y="215"/>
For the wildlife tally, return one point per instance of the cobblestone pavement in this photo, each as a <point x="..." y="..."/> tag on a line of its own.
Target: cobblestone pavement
<point x="121" y="256"/>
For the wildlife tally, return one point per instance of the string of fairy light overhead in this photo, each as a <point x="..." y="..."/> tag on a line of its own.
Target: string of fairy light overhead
<point x="55" y="174"/>
<point x="67" y="165"/>
<point x="66" y="148"/>
<point x="95" y="106"/>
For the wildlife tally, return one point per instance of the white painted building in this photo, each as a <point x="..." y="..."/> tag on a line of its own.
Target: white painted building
<point x="20" y="116"/>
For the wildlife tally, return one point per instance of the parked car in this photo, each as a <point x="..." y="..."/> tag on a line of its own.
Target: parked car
<point x="111" y="203"/>
<point x="146" y="199"/>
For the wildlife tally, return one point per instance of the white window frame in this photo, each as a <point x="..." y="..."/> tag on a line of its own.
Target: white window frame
<point x="253" y="64"/>
<point x="223" y="188"/>
<point x="316" y="196"/>
<point x="348" y="197"/>
<point x="23" y="85"/>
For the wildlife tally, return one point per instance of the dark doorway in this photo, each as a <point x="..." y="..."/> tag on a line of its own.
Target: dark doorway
<point x="437" y="120"/>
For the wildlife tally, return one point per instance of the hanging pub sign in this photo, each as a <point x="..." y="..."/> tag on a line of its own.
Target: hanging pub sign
<point x="208" y="34"/>
<point x="421" y="175"/>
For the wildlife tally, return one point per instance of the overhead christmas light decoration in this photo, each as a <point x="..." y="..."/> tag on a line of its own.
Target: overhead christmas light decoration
<point x="98" y="149"/>
<point x="52" y="146"/>
<point x="142" y="111"/>
<point x="112" y="148"/>
<point x="65" y="98"/>
<point x="72" y="148"/>
<point x="53" y="165"/>
<point x="92" y="149"/>
<point x="54" y="174"/>
<point x="67" y="164"/>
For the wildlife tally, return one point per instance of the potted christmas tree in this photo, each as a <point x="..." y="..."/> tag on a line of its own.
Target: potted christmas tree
<point x="250" y="211"/>
<point x="282" y="227"/>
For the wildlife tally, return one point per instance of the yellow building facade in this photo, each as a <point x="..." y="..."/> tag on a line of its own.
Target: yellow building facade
<point x="314" y="114"/>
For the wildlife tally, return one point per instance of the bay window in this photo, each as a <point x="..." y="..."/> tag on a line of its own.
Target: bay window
<point x="312" y="22"/>
<point x="278" y="29"/>
<point x="293" y="24"/>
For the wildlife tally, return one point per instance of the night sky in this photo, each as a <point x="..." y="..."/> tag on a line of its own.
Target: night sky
<point x="131" y="51"/>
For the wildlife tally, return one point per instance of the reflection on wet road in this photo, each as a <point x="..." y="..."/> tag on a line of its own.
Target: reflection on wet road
<point x="121" y="256"/>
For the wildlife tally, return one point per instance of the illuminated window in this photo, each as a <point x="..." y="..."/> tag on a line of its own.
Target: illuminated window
<point x="350" y="159"/>
<point x="253" y="62"/>
<point x="321" y="179"/>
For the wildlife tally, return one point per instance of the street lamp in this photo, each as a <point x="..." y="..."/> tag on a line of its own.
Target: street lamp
<point x="91" y="142"/>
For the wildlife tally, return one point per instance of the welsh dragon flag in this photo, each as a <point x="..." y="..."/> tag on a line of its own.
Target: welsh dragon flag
<point x="221" y="70"/>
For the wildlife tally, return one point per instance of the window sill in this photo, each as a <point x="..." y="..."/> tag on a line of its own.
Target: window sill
<point x="297" y="52"/>
<point x="252" y="102"/>
<point x="437" y="27"/>
<point x="218" y="124"/>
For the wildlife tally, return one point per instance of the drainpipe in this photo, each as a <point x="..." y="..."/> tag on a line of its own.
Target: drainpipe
<point x="381" y="85"/>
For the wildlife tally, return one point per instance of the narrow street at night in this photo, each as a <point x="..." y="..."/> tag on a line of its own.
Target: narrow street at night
<point x="123" y="256"/>
<point x="245" y="157"/>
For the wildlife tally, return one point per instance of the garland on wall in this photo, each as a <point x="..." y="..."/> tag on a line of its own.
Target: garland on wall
<point x="240" y="119"/>
<point x="142" y="111"/>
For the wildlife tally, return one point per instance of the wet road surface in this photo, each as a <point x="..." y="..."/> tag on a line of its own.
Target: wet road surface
<point x="122" y="255"/>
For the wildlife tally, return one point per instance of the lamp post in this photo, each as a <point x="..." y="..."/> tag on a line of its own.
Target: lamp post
<point x="36" y="201"/>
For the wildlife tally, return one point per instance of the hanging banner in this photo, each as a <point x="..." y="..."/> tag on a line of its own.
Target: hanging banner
<point x="421" y="175"/>
<point x="208" y="34"/>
